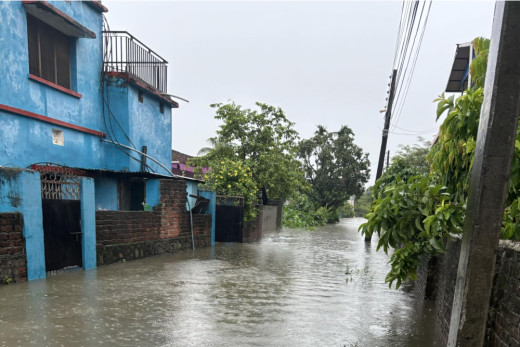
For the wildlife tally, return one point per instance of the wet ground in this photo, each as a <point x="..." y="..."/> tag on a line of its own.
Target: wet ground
<point x="296" y="288"/>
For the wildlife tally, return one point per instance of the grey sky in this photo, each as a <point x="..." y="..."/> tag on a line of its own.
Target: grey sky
<point x="322" y="62"/>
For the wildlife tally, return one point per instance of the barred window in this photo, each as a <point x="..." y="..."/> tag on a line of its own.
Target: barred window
<point x="49" y="52"/>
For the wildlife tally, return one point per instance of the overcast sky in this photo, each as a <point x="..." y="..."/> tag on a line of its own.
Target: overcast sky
<point x="323" y="63"/>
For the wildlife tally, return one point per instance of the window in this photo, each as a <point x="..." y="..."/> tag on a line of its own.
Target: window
<point x="131" y="195"/>
<point x="49" y="52"/>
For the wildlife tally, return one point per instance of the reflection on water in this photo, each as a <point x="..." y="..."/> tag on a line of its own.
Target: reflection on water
<point x="297" y="288"/>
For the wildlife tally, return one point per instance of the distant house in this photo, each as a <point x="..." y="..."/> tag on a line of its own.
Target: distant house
<point x="179" y="164"/>
<point x="85" y="131"/>
<point x="460" y="77"/>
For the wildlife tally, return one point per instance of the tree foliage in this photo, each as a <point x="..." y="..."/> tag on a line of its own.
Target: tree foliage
<point x="334" y="165"/>
<point x="263" y="139"/>
<point x="415" y="155"/>
<point x="362" y="205"/>
<point x="417" y="216"/>
<point x="233" y="178"/>
<point x="300" y="212"/>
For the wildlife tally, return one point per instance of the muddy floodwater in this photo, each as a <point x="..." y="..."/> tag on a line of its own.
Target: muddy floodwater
<point x="296" y="288"/>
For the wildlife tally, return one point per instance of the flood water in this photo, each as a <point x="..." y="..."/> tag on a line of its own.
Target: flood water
<point x="290" y="290"/>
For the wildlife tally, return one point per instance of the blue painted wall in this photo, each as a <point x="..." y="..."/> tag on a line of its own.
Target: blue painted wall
<point x="27" y="141"/>
<point x="142" y="123"/>
<point x="192" y="188"/>
<point x="20" y="192"/>
<point x="30" y="141"/>
<point x="88" y="223"/>
<point x="153" y="193"/>
<point x="149" y="127"/>
<point x="212" y="209"/>
<point x="106" y="193"/>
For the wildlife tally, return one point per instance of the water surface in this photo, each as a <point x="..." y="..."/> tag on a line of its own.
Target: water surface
<point x="296" y="288"/>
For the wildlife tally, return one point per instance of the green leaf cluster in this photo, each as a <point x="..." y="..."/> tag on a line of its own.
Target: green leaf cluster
<point x="335" y="167"/>
<point x="264" y="139"/>
<point x="300" y="212"/>
<point x="229" y="177"/>
<point x="452" y="156"/>
<point x="362" y="205"/>
<point x="414" y="217"/>
<point x="414" y="156"/>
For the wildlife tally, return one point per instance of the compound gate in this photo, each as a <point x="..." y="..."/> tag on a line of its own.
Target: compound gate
<point x="61" y="209"/>
<point x="229" y="218"/>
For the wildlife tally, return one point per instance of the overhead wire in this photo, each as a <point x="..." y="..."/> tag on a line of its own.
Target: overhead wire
<point x="406" y="53"/>
<point x="401" y="102"/>
<point x="415" y="131"/>
<point x="404" y="44"/>
<point x="417" y="134"/>
<point x="399" y="34"/>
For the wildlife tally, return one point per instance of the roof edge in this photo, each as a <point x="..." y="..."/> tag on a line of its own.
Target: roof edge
<point x="97" y="5"/>
<point x="136" y="81"/>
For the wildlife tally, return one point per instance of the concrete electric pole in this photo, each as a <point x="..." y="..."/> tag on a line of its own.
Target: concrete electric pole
<point x="489" y="180"/>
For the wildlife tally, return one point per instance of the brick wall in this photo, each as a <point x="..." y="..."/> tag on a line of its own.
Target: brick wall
<point x="114" y="227"/>
<point x="180" y="157"/>
<point x="447" y="265"/>
<point x="172" y="208"/>
<point x="13" y="263"/>
<point x="427" y="277"/>
<point x="136" y="234"/>
<point x="503" y="326"/>
<point x="504" y="314"/>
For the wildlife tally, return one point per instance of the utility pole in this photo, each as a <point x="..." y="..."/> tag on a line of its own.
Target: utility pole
<point x="489" y="179"/>
<point x="387" y="159"/>
<point x="388" y="115"/>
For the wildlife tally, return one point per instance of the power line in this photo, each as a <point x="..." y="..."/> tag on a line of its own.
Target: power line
<point x="415" y="131"/>
<point x="401" y="102"/>
<point x="405" y="63"/>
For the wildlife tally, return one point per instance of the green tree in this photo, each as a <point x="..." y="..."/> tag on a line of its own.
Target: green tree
<point x="415" y="155"/>
<point x="229" y="177"/>
<point x="417" y="215"/>
<point x="362" y="205"/>
<point x="334" y="165"/>
<point x="263" y="139"/>
<point x="300" y="212"/>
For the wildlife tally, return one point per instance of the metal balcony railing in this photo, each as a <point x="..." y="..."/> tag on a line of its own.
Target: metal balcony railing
<point x="124" y="53"/>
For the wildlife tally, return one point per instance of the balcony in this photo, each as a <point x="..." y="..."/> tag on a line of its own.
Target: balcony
<point x="124" y="53"/>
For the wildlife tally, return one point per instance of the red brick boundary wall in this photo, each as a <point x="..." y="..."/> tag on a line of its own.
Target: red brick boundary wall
<point x="126" y="235"/>
<point x="13" y="262"/>
<point x="504" y="307"/>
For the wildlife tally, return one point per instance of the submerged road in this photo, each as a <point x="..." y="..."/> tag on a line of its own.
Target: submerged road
<point x="290" y="290"/>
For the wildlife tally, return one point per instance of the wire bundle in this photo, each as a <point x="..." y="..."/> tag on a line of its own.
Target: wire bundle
<point x="412" y="26"/>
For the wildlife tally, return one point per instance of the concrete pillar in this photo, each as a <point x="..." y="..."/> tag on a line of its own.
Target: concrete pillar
<point x="88" y="223"/>
<point x="20" y="191"/>
<point x="489" y="180"/>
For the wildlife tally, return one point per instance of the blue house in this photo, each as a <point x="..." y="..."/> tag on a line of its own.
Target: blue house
<point x="85" y="126"/>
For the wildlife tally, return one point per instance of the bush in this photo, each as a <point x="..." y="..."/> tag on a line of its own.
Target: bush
<point x="300" y="213"/>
